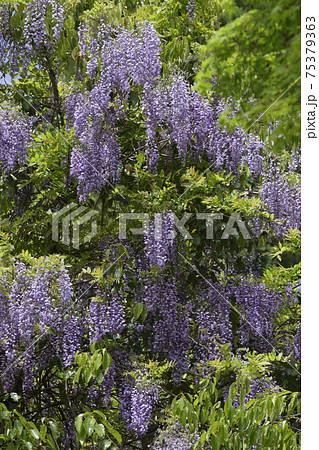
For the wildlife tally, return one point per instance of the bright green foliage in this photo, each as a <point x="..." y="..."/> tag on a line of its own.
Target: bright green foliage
<point x="16" y="432"/>
<point x="92" y="427"/>
<point x="262" y="421"/>
<point x="92" y="366"/>
<point x="255" y="55"/>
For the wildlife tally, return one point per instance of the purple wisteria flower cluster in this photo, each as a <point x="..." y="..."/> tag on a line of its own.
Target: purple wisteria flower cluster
<point x="167" y="324"/>
<point x="152" y="307"/>
<point x="35" y="32"/>
<point x="34" y="308"/>
<point x="37" y="40"/>
<point x="282" y="198"/>
<point x="159" y="240"/>
<point x="280" y="192"/>
<point x="126" y="59"/>
<point x="95" y="160"/>
<point x="15" y="135"/>
<point x="176" y="117"/>
<point x="105" y="316"/>
<point x="257" y="387"/>
<point x="101" y="394"/>
<point x="247" y="303"/>
<point x="297" y="345"/>
<point x="190" y="122"/>
<point x="190" y="8"/>
<point x="118" y="61"/>
<point x="5" y="35"/>
<point x="138" y="397"/>
<point x="176" y="437"/>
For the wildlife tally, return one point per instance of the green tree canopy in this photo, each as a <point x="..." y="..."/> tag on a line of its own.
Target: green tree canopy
<point x="254" y="58"/>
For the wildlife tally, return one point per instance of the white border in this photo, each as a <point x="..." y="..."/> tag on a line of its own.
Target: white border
<point x="310" y="242"/>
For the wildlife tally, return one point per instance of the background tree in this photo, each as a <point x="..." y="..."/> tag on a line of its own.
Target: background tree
<point x="254" y="58"/>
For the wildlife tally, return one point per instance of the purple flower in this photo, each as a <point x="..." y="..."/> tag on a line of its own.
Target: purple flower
<point x="105" y="316"/>
<point x="159" y="240"/>
<point x="137" y="398"/>
<point x="15" y="135"/>
<point x="35" y="310"/>
<point x="191" y="7"/>
<point x="282" y="198"/>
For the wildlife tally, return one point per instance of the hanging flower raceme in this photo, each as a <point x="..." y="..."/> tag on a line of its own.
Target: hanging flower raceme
<point x="132" y="57"/>
<point x="95" y="160"/>
<point x="119" y="61"/>
<point x="176" y="437"/>
<point x="159" y="240"/>
<point x="241" y="312"/>
<point x="125" y="59"/>
<point x="39" y="32"/>
<point x="258" y="306"/>
<point x="167" y="324"/>
<point x="212" y="319"/>
<point x="282" y="198"/>
<point x="297" y="345"/>
<point x="35" y="32"/>
<point x="15" y="135"/>
<point x="155" y="106"/>
<point x="191" y="8"/>
<point x="120" y="58"/>
<point x="6" y="38"/>
<point x="137" y="399"/>
<point x="36" y="309"/>
<point x="105" y="316"/>
<point x="179" y="117"/>
<point x="191" y="123"/>
<point x="257" y="387"/>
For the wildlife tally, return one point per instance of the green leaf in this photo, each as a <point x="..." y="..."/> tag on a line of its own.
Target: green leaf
<point x="35" y="433"/>
<point x="122" y="250"/>
<point x="79" y="423"/>
<point x="203" y="438"/>
<point x="50" y="441"/>
<point x="100" y="378"/>
<point x="18" y="426"/>
<point x="144" y="314"/>
<point x="4" y="415"/>
<point x="87" y="372"/>
<point x="138" y="310"/>
<point x="15" y="20"/>
<point x="89" y="424"/>
<point x="107" y="360"/>
<point x="97" y="361"/>
<point x="54" y="428"/>
<point x="204" y="415"/>
<point x="77" y="375"/>
<point x="11" y="446"/>
<point x="74" y="52"/>
<point x="99" y="429"/>
<point x="182" y="418"/>
<point x="111" y="430"/>
<point x="43" y="431"/>
<point x="106" y="443"/>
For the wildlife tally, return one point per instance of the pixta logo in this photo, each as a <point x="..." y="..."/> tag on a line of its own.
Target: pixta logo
<point x="67" y="217"/>
<point x="233" y="227"/>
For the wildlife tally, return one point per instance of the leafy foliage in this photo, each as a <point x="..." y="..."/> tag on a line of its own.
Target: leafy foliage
<point x="184" y="340"/>
<point x="254" y="58"/>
